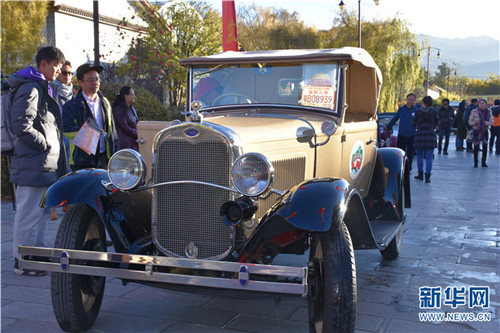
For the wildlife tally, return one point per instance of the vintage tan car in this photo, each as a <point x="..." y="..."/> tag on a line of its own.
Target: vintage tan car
<point x="267" y="188"/>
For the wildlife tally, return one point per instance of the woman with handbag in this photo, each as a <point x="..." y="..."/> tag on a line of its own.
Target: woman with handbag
<point x="480" y="119"/>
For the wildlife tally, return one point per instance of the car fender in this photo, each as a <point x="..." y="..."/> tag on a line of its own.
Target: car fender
<point x="82" y="186"/>
<point x="397" y="185"/>
<point x="312" y="206"/>
<point x="125" y="215"/>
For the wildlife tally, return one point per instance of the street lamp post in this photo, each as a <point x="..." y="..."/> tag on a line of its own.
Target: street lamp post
<point x="341" y="5"/>
<point x="428" y="65"/>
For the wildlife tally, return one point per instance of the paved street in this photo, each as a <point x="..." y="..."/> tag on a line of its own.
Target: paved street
<point x="452" y="238"/>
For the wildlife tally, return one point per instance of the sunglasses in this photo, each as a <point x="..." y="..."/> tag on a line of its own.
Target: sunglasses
<point x="66" y="73"/>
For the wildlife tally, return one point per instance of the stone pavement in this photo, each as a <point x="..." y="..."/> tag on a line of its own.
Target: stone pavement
<point x="451" y="238"/>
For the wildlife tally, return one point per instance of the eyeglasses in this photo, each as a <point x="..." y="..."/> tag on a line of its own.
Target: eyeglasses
<point x="66" y="73"/>
<point x="92" y="80"/>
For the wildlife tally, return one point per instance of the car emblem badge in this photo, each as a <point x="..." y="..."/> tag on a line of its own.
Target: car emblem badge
<point x="65" y="261"/>
<point x="191" y="132"/>
<point x="191" y="251"/>
<point x="243" y="276"/>
<point x="149" y="268"/>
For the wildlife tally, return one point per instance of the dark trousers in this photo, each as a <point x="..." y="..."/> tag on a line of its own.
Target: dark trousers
<point x="476" y="152"/>
<point x="445" y="130"/>
<point x="406" y="143"/>
<point x="495" y="133"/>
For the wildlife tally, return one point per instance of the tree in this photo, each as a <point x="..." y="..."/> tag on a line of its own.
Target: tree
<point x="490" y="86"/>
<point x="393" y="48"/>
<point x="274" y="29"/>
<point x="21" y="26"/>
<point x="175" y="30"/>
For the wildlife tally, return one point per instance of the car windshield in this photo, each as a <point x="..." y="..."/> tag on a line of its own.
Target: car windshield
<point x="298" y="84"/>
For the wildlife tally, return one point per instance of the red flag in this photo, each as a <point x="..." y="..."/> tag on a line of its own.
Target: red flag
<point x="229" y="34"/>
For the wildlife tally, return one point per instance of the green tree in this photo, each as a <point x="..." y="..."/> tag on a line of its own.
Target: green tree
<point x="393" y="48"/>
<point x="489" y="86"/>
<point x="21" y="32"/>
<point x="175" y="30"/>
<point x="274" y="29"/>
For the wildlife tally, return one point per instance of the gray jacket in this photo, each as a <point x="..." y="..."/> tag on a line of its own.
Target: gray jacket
<point x="39" y="157"/>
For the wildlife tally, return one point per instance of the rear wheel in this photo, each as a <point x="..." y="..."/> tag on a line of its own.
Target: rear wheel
<point x="77" y="299"/>
<point x="332" y="282"/>
<point x="392" y="251"/>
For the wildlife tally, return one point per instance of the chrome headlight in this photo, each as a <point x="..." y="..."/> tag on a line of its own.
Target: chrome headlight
<point x="252" y="174"/>
<point x="127" y="169"/>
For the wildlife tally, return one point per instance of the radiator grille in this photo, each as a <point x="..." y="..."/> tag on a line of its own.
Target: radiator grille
<point x="187" y="214"/>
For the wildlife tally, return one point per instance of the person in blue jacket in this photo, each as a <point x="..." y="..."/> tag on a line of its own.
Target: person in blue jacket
<point x="407" y="130"/>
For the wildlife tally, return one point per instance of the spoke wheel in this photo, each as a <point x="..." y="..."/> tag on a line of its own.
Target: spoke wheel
<point x="77" y="299"/>
<point x="332" y="282"/>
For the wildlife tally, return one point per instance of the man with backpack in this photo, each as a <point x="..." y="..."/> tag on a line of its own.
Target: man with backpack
<point x="39" y="157"/>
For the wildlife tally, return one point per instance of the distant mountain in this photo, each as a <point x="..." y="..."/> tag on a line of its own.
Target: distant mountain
<point x="476" y="56"/>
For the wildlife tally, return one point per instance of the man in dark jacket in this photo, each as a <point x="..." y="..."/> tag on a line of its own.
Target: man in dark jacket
<point x="39" y="158"/>
<point x="406" y="132"/>
<point x="468" y="111"/>
<point x="89" y="105"/>
<point x="445" y="115"/>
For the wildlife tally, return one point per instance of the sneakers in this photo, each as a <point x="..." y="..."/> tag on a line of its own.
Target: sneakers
<point x="28" y="272"/>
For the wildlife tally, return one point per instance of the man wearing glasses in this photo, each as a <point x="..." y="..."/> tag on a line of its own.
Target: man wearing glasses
<point x="89" y="105"/>
<point x="64" y="92"/>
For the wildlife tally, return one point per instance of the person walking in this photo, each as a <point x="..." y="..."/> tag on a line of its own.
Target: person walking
<point x="445" y="115"/>
<point x="63" y="92"/>
<point x="467" y="113"/>
<point x="480" y="119"/>
<point x="126" y="118"/>
<point x="89" y="105"/>
<point x="425" y="120"/>
<point x="406" y="132"/>
<point x="39" y="158"/>
<point x="460" y="126"/>
<point x="495" y="129"/>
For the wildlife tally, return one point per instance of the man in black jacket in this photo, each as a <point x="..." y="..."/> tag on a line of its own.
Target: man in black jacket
<point x="89" y="105"/>
<point x="39" y="157"/>
<point x="445" y="114"/>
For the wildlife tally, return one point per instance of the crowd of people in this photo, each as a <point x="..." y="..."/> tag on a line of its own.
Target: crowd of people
<point x="47" y="113"/>
<point x="418" y="125"/>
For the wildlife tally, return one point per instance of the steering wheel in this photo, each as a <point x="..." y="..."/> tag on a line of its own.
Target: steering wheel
<point x="240" y="98"/>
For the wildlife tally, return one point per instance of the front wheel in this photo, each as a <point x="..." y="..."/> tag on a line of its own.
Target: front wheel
<point x="76" y="299"/>
<point x="332" y="282"/>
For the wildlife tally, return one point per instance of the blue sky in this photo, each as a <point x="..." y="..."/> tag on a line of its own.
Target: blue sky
<point x="441" y="18"/>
